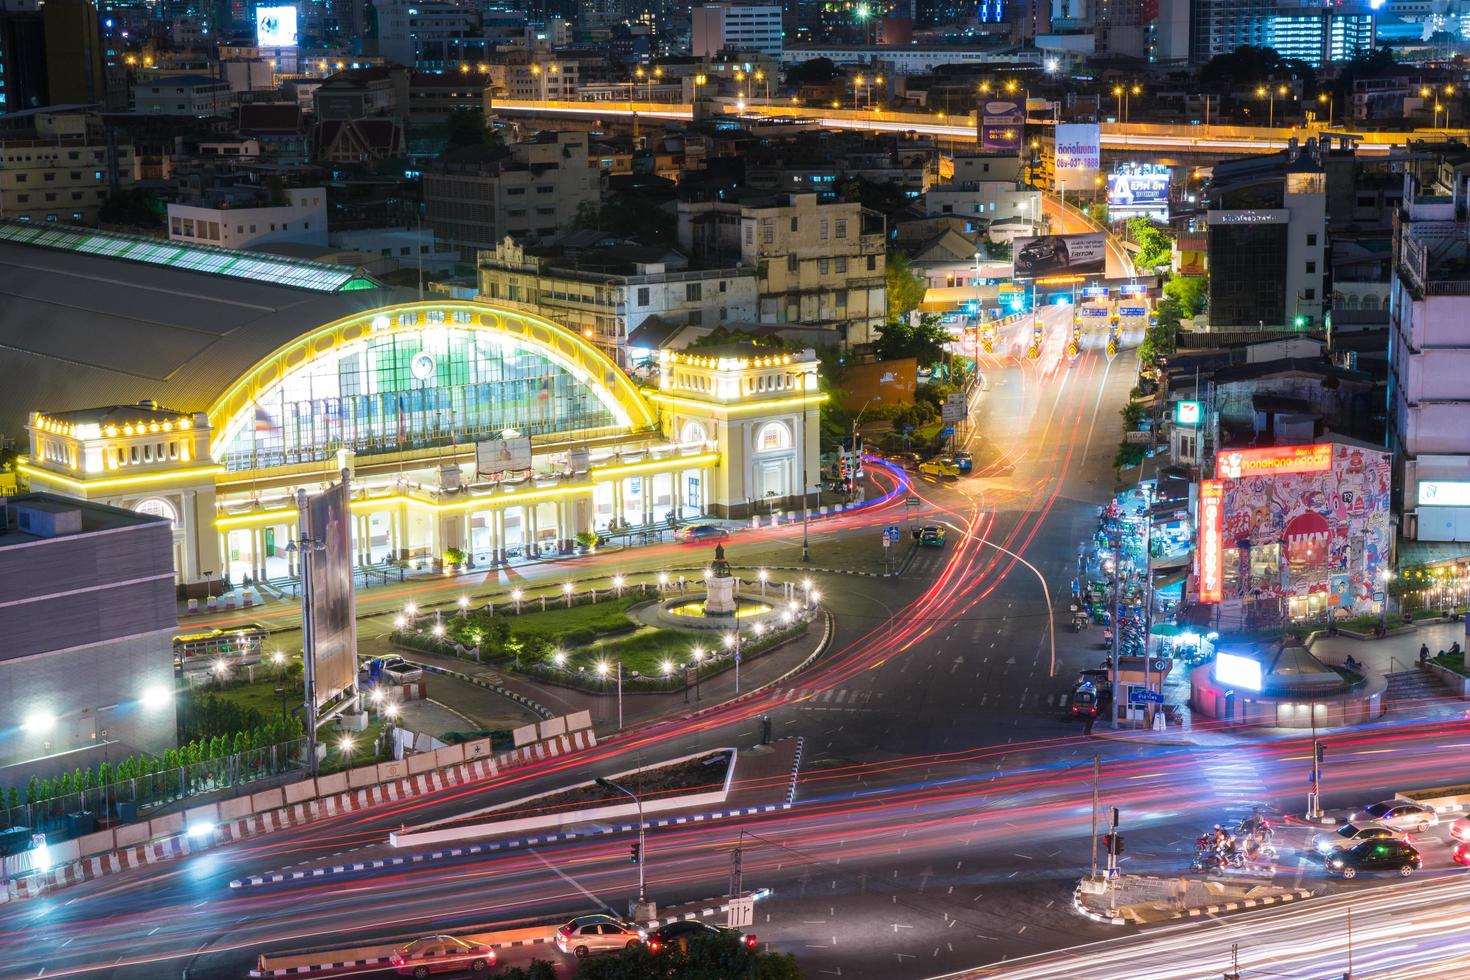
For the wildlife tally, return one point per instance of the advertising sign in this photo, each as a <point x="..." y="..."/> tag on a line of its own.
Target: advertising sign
<point x="1139" y="185"/>
<point x="1079" y="155"/>
<point x="1052" y="255"/>
<point x="1233" y="670"/>
<point x="1001" y="127"/>
<point x="333" y="617"/>
<point x="1236" y="463"/>
<point x="1187" y="413"/>
<point x="275" y="27"/>
<point x="501" y="455"/>
<point x="1444" y="493"/>
<point x="1211" y="558"/>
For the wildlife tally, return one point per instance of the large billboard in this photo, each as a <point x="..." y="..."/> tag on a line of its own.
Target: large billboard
<point x="1058" y="255"/>
<point x="501" y="455"/>
<point x="333" y="617"/>
<point x="883" y="383"/>
<point x="1002" y="126"/>
<point x="1139" y="185"/>
<point x="1079" y="156"/>
<point x="275" y="27"/>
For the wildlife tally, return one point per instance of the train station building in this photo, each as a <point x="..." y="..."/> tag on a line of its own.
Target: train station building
<point x="206" y="386"/>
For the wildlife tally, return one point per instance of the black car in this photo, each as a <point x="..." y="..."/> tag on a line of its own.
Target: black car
<point x="679" y="934"/>
<point x="1374" y="855"/>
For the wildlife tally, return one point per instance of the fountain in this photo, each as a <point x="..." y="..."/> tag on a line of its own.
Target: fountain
<point x="721" y="607"/>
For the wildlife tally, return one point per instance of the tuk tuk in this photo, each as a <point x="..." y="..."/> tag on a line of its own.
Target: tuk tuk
<point x="1092" y="695"/>
<point x="1080" y="621"/>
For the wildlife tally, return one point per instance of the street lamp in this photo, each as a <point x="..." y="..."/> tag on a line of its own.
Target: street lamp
<point x="566" y="590"/>
<point x="1326" y="97"/>
<point x="763" y="575"/>
<point x="617" y="582"/>
<point x="732" y="642"/>
<point x="698" y="655"/>
<point x="464" y="604"/>
<point x="857" y="82"/>
<point x="1270" y="93"/>
<point x="642" y="846"/>
<point x="516" y="596"/>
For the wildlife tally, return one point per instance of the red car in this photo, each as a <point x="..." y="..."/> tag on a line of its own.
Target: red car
<point x="442" y="954"/>
<point x="1462" y="854"/>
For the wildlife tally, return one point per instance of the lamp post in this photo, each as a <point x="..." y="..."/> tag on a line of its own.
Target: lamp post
<point x="732" y="642"/>
<point x="1269" y="92"/>
<point x="698" y="654"/>
<point x="642" y="847"/>
<point x="1326" y="97"/>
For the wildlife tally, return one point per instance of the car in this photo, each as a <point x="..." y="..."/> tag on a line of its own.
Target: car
<point x="1460" y="829"/>
<point x="1461" y="854"/>
<point x="931" y="536"/>
<point x="1350" y="835"/>
<point x="1044" y="255"/>
<point x="1399" y="814"/>
<point x="396" y="670"/>
<point x="939" y="467"/>
<point x="588" y="934"/>
<point x="695" y="533"/>
<point x="442" y="954"/>
<point x="963" y="460"/>
<point x="1374" y="855"/>
<point x="909" y="461"/>
<point x="679" y="934"/>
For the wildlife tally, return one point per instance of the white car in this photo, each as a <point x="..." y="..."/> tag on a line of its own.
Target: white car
<point x="1398" y="814"/>
<point x="1460" y="829"/>
<point x="588" y="934"/>
<point x="1350" y="835"/>
<point x="399" y="671"/>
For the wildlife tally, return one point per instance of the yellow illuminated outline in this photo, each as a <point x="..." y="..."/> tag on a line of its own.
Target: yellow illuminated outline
<point x="166" y="476"/>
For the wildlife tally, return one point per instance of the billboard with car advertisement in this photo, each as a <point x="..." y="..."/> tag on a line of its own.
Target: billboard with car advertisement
<point x="1001" y="127"/>
<point x="1057" y="255"/>
<point x="1079" y="156"/>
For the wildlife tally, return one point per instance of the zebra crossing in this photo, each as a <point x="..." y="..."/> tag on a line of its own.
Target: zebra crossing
<point x="831" y="699"/>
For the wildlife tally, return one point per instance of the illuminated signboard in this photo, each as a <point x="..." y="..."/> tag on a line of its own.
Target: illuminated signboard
<point x="1133" y="289"/>
<point x="1132" y="310"/>
<point x="1233" y="670"/>
<point x="275" y="27"/>
<point x="1211" y="564"/>
<point x="1094" y="311"/>
<point x="1094" y="291"/>
<point x="1139" y="185"/>
<point x="1444" y="493"/>
<point x="1187" y="413"/>
<point x="1237" y="463"/>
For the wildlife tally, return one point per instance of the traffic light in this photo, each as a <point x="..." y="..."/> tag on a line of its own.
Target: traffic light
<point x="1113" y="843"/>
<point x="750" y="942"/>
<point x="635" y="852"/>
<point x="1321" y="751"/>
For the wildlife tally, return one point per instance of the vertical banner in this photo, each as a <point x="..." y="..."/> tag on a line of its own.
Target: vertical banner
<point x="1001" y="127"/>
<point x="1079" y="156"/>
<point x="1211" y="555"/>
<point x="333" y="616"/>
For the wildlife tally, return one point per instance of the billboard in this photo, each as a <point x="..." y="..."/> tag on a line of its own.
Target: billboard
<point x="1055" y="255"/>
<point x="883" y="383"/>
<point x="1444" y="493"/>
<point x="1079" y="155"/>
<point x="1002" y="126"/>
<point x="1237" y="463"/>
<point x="331" y="611"/>
<point x="1233" y="670"/>
<point x="1139" y="185"/>
<point x="275" y="27"/>
<point x="1211" y="558"/>
<point x="494" y="456"/>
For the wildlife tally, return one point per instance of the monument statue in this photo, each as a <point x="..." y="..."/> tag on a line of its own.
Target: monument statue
<point x="720" y="589"/>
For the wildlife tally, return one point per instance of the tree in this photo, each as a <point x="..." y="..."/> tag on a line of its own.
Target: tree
<point x="1154" y="245"/>
<point x="815" y="71"/>
<point x="1189" y="292"/>
<point x="534" y="970"/>
<point x="925" y="342"/>
<point x="135" y="207"/>
<point x="713" y="956"/>
<point x="466" y="127"/>
<point x="906" y="287"/>
<point x="1248" y="66"/>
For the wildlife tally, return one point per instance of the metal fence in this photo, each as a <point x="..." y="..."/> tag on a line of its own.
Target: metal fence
<point x="127" y="800"/>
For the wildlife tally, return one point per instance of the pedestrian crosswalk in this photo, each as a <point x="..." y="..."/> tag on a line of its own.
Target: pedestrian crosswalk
<point x="831" y="699"/>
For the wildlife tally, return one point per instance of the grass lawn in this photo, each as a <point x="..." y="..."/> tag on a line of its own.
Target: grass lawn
<point x="563" y="625"/>
<point x="1454" y="662"/>
<point x="643" y="652"/>
<point x="260" y="695"/>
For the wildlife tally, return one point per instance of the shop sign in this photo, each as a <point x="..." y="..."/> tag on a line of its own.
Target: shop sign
<point x="1211" y="555"/>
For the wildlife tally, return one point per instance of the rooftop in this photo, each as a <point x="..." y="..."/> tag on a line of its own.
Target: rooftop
<point x="94" y="517"/>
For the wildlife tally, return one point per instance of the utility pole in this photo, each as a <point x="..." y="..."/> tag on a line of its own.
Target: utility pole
<point x="1234" y="973"/>
<point x="1115" y="846"/>
<point x="1117" y="573"/>
<point x="736" y="878"/>
<point x="620" y="695"/>
<point x="1314" y="798"/>
<point x="1349" y="974"/>
<point x="1096" y="777"/>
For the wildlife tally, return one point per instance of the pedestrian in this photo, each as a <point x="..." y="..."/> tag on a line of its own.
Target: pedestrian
<point x="1423" y="652"/>
<point x="1087" y="724"/>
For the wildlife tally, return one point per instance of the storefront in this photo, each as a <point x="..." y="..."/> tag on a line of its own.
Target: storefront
<point x="1294" y="533"/>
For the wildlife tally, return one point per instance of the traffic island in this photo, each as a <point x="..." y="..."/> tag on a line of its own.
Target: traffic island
<point x="1145" y="899"/>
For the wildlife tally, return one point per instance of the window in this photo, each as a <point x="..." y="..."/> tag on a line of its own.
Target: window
<point x="750" y="233"/>
<point x="872" y="263"/>
<point x="768" y="231"/>
<point x="1309" y="294"/>
<point x="50" y="175"/>
<point x="692" y="292"/>
<point x="156" y="507"/>
<point x="1311" y="239"/>
<point x="642" y="295"/>
<point x="842" y="265"/>
<point x="824" y="266"/>
<point x="696" y="318"/>
<point x="692" y="432"/>
<point x="841" y="299"/>
<point x="771" y="437"/>
<point x="20" y="178"/>
<point x="722" y="285"/>
<point x="841" y="227"/>
<point x="822" y="229"/>
<point x="793" y="224"/>
<point x="1311" y="268"/>
<point x="791" y="264"/>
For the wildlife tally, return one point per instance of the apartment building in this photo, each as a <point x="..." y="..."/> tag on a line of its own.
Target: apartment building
<point x="736" y="27"/>
<point x="608" y="294"/>
<point x="475" y="197"/>
<point x="818" y="265"/>
<point x="245" y="217"/>
<point x="61" y="169"/>
<point x="183" y="95"/>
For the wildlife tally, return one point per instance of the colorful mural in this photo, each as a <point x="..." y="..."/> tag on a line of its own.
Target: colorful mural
<point x="1300" y="543"/>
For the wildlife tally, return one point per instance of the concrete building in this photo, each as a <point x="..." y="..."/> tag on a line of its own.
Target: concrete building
<point x="608" y="294"/>
<point x="357" y="93"/>
<point x="820" y="266"/>
<point x="1429" y="360"/>
<point x="1267" y="222"/>
<point x="89" y="618"/>
<point x="182" y="95"/>
<point x="246" y="217"/>
<point x="1318" y="35"/>
<point x="736" y="28"/>
<point x="543" y="79"/>
<point x="74" y="50"/>
<point x="474" y="198"/>
<point x="62" y="171"/>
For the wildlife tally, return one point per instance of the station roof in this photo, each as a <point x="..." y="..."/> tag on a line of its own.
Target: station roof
<point x="82" y="327"/>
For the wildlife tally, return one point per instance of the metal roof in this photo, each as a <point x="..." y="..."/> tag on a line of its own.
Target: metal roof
<point x="81" y="330"/>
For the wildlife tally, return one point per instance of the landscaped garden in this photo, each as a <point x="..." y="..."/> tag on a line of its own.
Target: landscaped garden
<point x="581" y="643"/>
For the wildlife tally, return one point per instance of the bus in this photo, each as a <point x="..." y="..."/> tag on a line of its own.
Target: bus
<point x="236" y="645"/>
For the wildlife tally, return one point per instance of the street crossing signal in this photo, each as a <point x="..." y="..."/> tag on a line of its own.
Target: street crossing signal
<point x="1321" y="751"/>
<point x="635" y="852"/>
<point x="1113" y="843"/>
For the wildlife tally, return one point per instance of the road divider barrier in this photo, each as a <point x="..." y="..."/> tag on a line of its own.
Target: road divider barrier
<point x="319" y="961"/>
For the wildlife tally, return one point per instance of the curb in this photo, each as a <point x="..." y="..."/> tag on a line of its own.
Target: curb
<point x="795" y="768"/>
<point x="377" y="961"/>
<point x="1106" y="920"/>
<point x="521" y="699"/>
<point x="473" y="849"/>
<point x="1245" y="903"/>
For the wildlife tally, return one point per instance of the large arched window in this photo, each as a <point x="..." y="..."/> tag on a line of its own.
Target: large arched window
<point x="410" y="389"/>
<point x="157" y="507"/>
<point x="772" y="436"/>
<point x="692" y="432"/>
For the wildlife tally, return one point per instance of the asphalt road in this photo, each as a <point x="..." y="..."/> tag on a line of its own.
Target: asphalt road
<point x="943" y="811"/>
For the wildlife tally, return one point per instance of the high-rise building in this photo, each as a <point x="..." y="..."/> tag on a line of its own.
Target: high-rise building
<point x="754" y="28"/>
<point x="74" y="63"/>
<point x="22" y="56"/>
<point x="1317" y="35"/>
